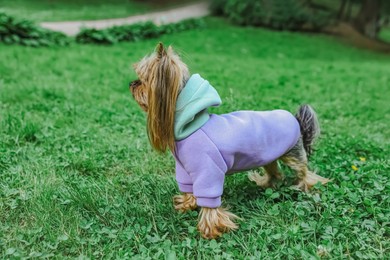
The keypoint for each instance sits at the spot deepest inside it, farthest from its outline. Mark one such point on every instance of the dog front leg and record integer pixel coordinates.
(184, 202)
(213, 222)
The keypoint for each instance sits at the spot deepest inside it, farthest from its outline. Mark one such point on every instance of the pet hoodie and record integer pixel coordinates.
(209, 146)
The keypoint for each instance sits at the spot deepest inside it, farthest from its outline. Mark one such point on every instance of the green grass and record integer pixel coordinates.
(385, 34)
(67, 10)
(78, 177)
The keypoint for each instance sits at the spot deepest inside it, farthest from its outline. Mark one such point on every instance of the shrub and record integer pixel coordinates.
(184, 25)
(24, 32)
(135, 32)
(217, 7)
(276, 14)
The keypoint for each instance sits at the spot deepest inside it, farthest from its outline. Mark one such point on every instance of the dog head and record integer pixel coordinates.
(161, 76)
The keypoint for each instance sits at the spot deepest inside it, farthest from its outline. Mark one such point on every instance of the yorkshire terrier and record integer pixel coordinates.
(206, 147)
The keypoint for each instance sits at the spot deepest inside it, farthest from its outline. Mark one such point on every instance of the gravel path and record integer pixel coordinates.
(167, 16)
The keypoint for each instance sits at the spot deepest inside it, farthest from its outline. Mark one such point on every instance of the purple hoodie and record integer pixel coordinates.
(225, 144)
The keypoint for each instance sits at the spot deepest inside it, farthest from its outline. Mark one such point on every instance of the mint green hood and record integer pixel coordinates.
(191, 106)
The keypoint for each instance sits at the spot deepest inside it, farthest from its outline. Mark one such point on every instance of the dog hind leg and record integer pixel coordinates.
(271, 176)
(296, 159)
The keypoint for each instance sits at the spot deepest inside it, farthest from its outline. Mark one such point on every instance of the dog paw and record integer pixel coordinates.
(184, 202)
(263, 181)
(301, 185)
(214, 222)
(310, 180)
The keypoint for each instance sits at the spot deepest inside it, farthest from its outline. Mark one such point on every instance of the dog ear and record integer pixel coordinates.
(164, 89)
(160, 50)
(170, 50)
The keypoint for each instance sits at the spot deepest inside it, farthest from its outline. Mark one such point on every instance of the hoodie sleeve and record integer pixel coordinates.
(183, 179)
(206, 167)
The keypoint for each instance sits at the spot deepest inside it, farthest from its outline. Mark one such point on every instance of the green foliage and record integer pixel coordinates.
(384, 5)
(276, 14)
(78, 178)
(118, 33)
(25, 32)
(385, 34)
(385, 8)
(217, 7)
(135, 32)
(76, 10)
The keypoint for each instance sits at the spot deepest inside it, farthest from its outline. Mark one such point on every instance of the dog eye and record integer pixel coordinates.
(134, 83)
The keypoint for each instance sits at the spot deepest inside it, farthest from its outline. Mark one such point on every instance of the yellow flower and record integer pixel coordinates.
(363, 159)
(354, 168)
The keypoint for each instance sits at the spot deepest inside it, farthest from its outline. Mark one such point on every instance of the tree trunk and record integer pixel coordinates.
(340, 15)
(366, 22)
(349, 11)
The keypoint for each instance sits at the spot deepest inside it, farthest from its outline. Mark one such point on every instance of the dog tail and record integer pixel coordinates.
(310, 128)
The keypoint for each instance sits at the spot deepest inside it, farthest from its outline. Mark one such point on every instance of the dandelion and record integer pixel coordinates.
(362, 159)
(354, 168)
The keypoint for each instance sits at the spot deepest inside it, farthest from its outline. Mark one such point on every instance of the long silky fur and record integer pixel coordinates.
(310, 128)
(214, 222)
(162, 76)
(184, 202)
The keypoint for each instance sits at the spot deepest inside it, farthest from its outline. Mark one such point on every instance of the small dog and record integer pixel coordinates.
(206, 147)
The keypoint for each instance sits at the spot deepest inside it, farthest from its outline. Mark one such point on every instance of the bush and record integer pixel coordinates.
(185, 25)
(276, 14)
(24, 32)
(135, 32)
(116, 34)
(217, 7)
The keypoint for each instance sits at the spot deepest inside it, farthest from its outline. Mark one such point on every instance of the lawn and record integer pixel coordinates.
(67, 10)
(79, 179)
(385, 34)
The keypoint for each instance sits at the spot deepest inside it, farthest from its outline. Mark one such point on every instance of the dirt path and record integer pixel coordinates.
(167, 16)
(351, 36)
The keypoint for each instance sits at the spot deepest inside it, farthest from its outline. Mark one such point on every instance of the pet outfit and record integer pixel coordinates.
(209, 146)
